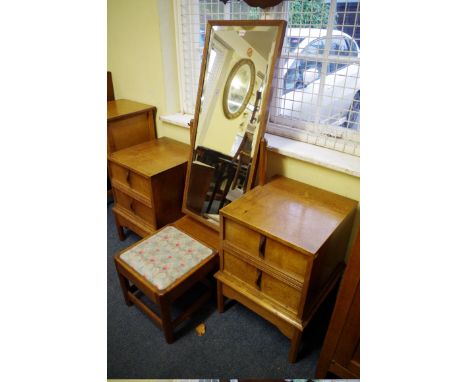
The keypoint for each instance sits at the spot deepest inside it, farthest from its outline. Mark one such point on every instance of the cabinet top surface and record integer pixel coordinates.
(122, 107)
(292, 212)
(152, 157)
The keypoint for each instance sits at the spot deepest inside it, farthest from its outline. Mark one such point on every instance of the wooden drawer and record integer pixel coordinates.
(286, 258)
(131, 183)
(242, 237)
(240, 269)
(125, 219)
(282, 293)
(277, 255)
(135, 207)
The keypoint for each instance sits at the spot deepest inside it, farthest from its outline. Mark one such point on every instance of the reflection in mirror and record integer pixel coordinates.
(238, 88)
(238, 64)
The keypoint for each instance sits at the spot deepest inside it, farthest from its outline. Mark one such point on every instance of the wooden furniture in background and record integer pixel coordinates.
(110, 97)
(129, 123)
(132, 282)
(148, 184)
(282, 251)
(340, 351)
(110, 87)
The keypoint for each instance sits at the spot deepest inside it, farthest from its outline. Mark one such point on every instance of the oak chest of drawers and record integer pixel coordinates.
(148, 184)
(282, 251)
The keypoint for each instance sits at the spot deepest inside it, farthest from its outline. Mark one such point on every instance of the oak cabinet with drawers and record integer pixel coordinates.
(282, 251)
(148, 184)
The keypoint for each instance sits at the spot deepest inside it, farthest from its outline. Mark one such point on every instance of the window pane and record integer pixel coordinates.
(319, 82)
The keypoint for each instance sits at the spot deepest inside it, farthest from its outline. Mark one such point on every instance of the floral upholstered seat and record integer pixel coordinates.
(166, 256)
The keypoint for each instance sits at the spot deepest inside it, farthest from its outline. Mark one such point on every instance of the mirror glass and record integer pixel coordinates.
(237, 68)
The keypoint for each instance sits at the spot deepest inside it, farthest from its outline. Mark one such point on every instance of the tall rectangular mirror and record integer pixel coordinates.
(231, 112)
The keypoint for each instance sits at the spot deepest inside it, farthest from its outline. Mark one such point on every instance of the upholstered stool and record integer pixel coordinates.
(163, 266)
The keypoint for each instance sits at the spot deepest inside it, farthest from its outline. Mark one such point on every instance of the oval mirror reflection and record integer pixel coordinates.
(238, 89)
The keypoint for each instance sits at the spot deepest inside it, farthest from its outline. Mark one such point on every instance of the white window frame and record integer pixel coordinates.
(187, 105)
(340, 139)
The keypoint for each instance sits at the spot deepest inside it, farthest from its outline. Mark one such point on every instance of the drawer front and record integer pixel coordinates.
(128, 179)
(242, 237)
(128, 220)
(272, 252)
(282, 293)
(135, 207)
(285, 258)
(240, 269)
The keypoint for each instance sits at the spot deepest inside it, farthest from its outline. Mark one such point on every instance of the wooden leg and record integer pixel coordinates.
(120, 232)
(125, 285)
(166, 321)
(119, 229)
(295, 343)
(220, 297)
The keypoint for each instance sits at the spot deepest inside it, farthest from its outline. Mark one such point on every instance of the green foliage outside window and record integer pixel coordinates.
(301, 13)
(310, 13)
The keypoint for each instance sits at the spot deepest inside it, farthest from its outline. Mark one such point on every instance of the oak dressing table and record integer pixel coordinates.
(172, 259)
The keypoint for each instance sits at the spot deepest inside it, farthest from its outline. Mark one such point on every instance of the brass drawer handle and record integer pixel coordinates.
(261, 247)
(131, 206)
(258, 282)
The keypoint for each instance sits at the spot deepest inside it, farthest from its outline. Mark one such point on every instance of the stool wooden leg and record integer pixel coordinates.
(294, 349)
(125, 286)
(166, 321)
(220, 297)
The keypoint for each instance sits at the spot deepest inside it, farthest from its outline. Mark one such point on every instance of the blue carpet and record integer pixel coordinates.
(237, 343)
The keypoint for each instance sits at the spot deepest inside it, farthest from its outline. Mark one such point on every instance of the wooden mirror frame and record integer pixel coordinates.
(227, 87)
(281, 24)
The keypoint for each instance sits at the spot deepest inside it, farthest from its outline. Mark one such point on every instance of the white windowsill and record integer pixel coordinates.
(335, 160)
(177, 119)
(321, 156)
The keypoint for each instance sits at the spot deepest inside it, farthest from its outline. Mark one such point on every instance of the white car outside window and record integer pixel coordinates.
(302, 75)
